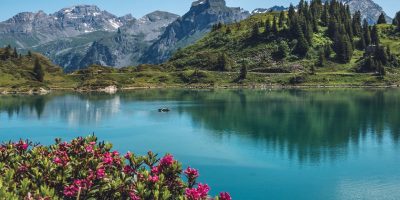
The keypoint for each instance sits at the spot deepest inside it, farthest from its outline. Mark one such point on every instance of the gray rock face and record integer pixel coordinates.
(28, 29)
(192, 26)
(125, 47)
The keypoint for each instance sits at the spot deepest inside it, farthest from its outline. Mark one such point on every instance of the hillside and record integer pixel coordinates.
(273, 54)
(17, 72)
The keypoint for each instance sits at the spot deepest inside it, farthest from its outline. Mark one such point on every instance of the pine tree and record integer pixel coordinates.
(243, 71)
(38, 71)
(15, 53)
(274, 26)
(223, 63)
(396, 21)
(291, 14)
(228, 30)
(367, 33)
(302, 46)
(283, 50)
(327, 51)
(382, 19)
(325, 14)
(381, 56)
(375, 35)
(255, 32)
(361, 43)
(29, 54)
(321, 58)
(356, 23)
(267, 31)
(281, 19)
(343, 49)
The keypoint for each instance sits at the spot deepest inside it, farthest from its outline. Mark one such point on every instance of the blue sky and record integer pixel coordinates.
(139, 8)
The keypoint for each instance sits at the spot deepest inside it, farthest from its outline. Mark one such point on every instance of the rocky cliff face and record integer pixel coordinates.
(192, 26)
(125, 47)
(28, 29)
(122, 47)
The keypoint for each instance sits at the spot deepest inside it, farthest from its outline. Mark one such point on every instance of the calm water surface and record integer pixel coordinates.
(256, 144)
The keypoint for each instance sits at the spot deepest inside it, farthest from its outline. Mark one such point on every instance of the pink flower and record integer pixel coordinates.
(128, 155)
(115, 153)
(81, 183)
(203, 190)
(192, 173)
(70, 191)
(192, 194)
(89, 149)
(107, 158)
(101, 173)
(58, 161)
(133, 196)
(224, 196)
(198, 193)
(128, 169)
(167, 160)
(21, 145)
(154, 170)
(92, 143)
(153, 179)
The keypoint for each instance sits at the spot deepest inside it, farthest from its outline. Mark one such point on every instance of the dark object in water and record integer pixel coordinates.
(163, 110)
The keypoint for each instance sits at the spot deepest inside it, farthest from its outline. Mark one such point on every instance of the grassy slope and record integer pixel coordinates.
(17, 73)
(238, 47)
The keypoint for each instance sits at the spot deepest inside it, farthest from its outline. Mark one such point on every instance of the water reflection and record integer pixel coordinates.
(308, 125)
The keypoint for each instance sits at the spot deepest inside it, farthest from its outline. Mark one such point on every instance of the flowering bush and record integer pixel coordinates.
(86, 169)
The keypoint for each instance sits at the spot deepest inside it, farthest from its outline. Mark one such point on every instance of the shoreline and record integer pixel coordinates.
(114, 89)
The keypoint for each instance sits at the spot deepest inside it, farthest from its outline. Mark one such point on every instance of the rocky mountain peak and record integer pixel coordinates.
(368, 8)
(158, 16)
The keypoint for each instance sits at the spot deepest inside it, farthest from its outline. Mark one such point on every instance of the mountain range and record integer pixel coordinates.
(82, 35)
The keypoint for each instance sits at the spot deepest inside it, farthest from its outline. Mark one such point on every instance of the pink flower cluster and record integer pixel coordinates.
(224, 196)
(22, 146)
(167, 161)
(88, 167)
(191, 173)
(199, 193)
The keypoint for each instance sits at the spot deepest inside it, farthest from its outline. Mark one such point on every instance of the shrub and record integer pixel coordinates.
(86, 169)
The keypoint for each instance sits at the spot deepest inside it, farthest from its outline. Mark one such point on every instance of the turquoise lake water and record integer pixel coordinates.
(256, 144)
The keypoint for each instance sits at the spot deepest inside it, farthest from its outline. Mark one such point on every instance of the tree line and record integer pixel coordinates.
(11, 54)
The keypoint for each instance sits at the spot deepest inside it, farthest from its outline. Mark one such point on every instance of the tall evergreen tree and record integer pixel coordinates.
(321, 58)
(356, 23)
(381, 19)
(291, 14)
(38, 71)
(255, 32)
(396, 21)
(367, 33)
(15, 53)
(375, 35)
(243, 71)
(343, 49)
(302, 46)
(267, 31)
(275, 26)
(281, 19)
(325, 14)
(223, 63)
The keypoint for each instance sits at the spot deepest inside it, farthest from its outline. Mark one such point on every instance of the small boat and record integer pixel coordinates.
(163, 110)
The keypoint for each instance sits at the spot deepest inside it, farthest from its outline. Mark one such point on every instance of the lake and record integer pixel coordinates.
(257, 144)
